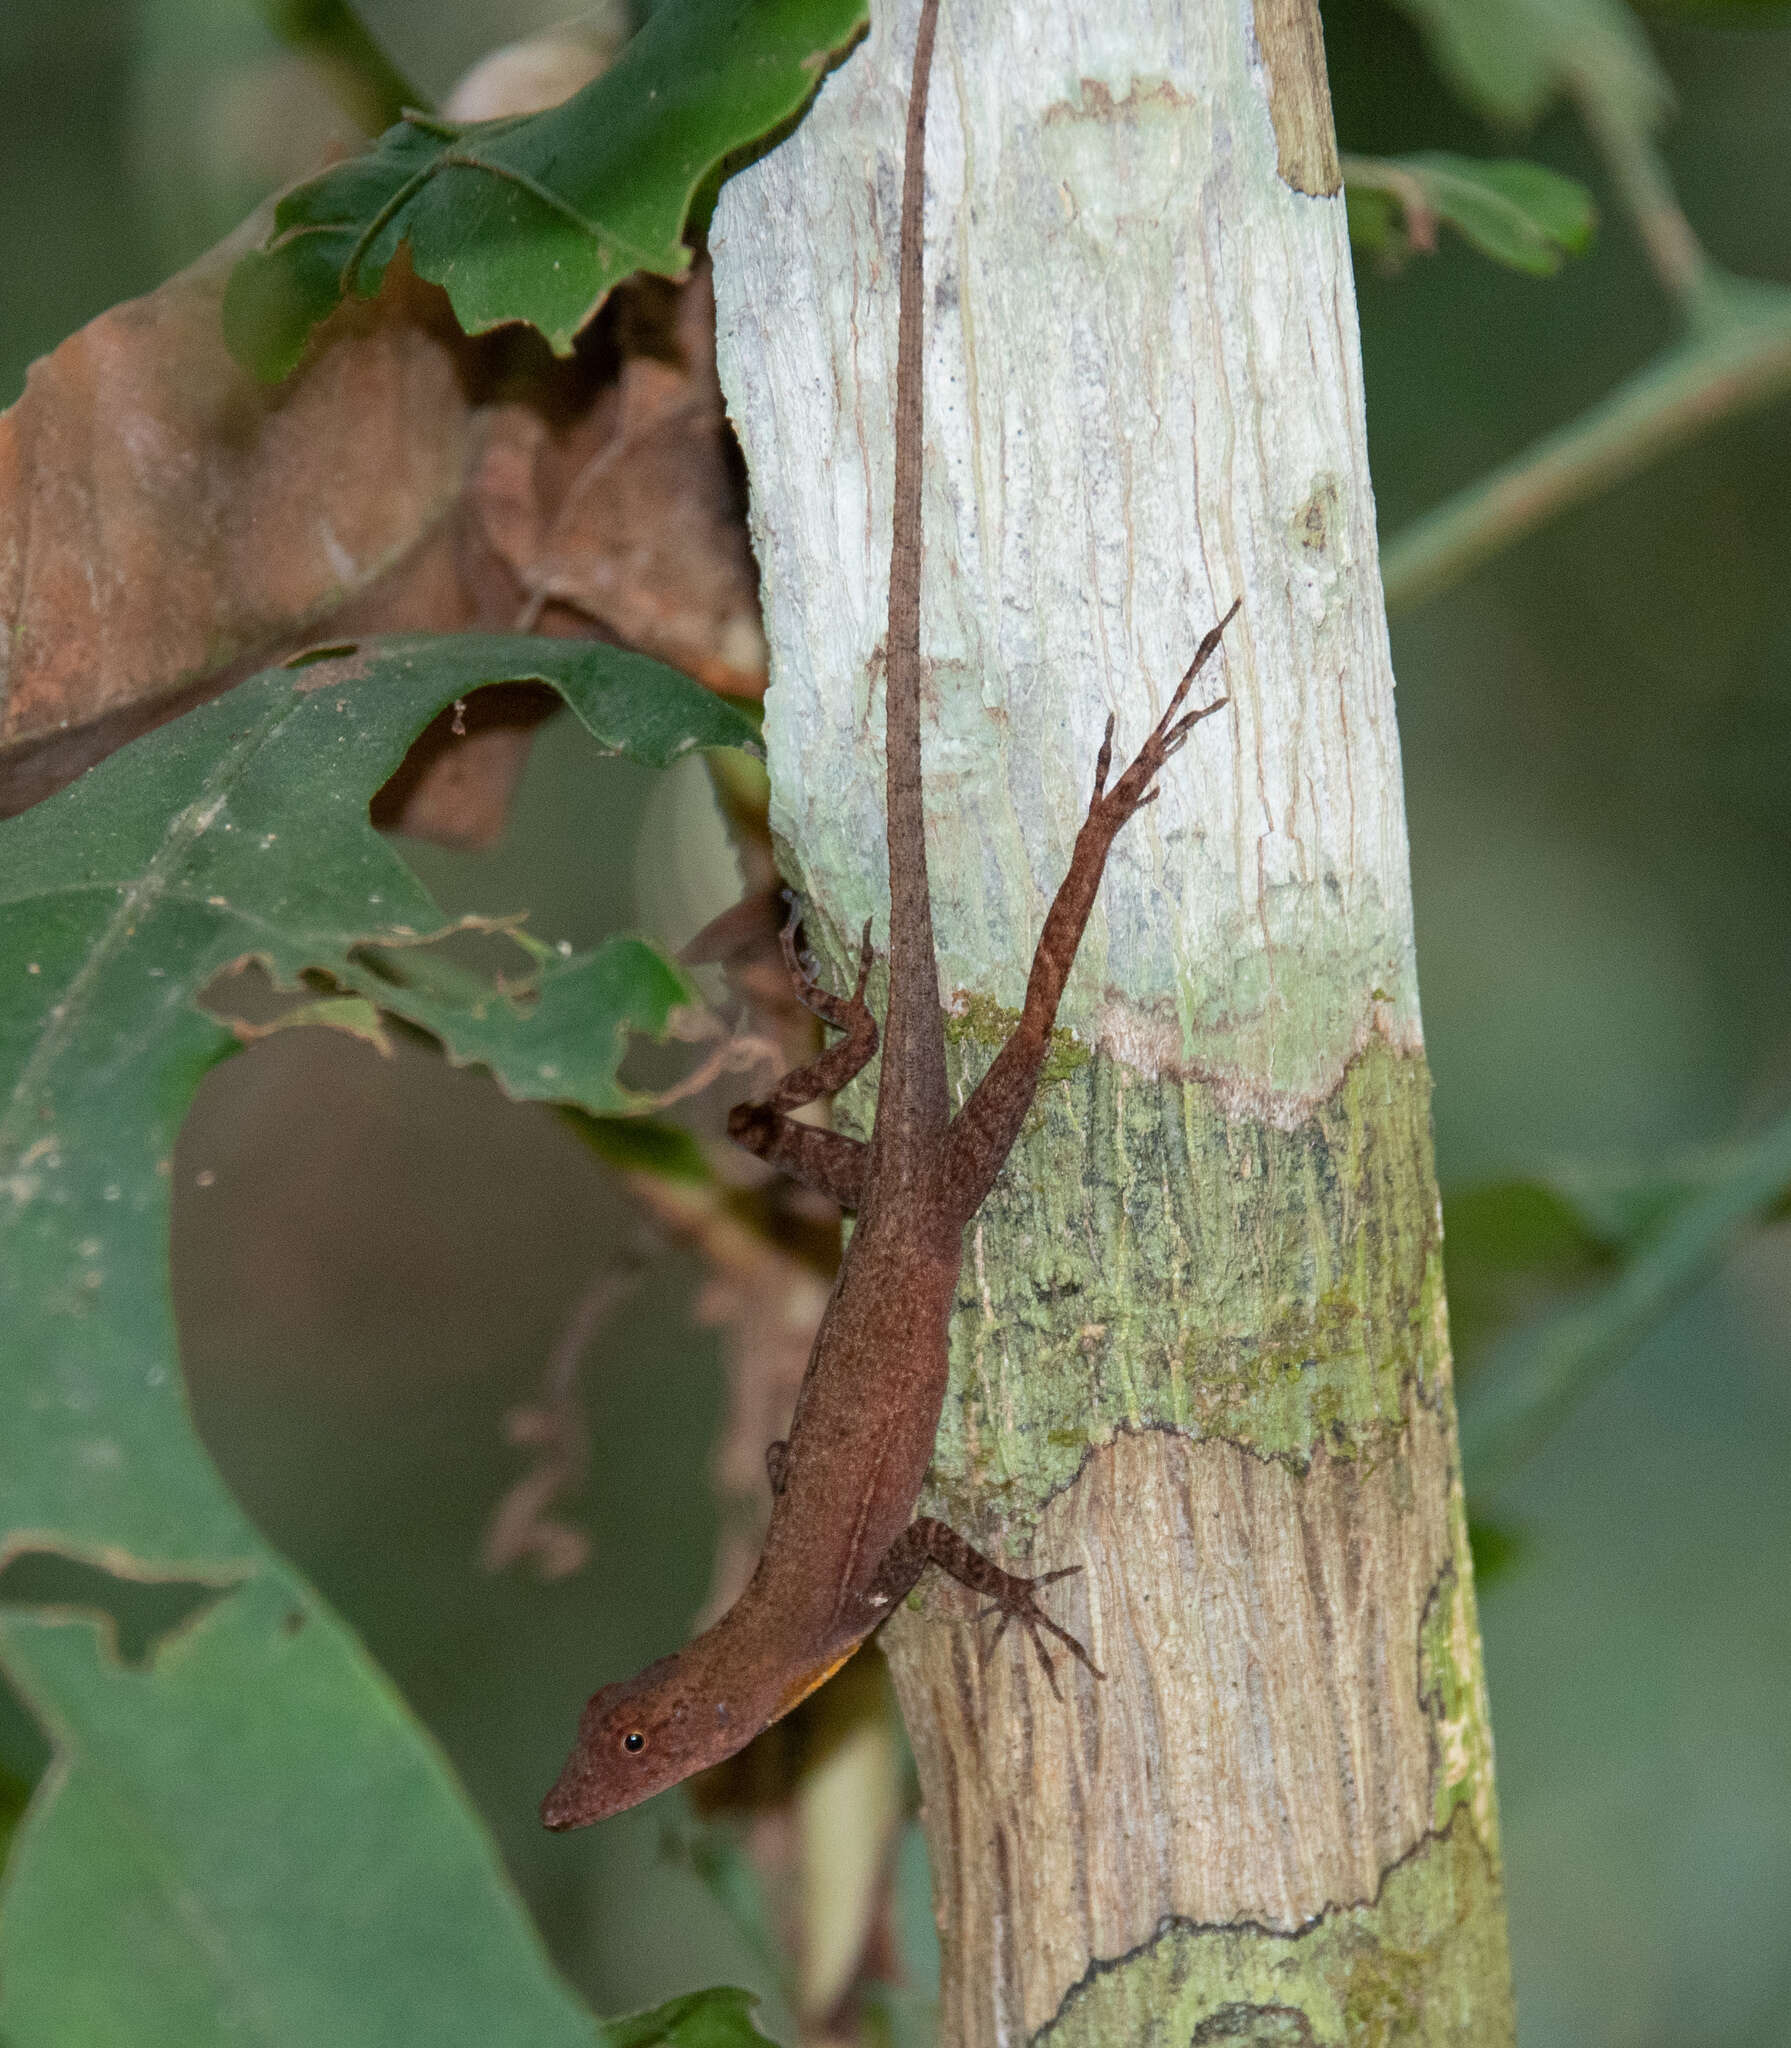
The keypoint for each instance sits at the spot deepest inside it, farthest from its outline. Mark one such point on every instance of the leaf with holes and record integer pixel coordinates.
(539, 217)
(275, 1850)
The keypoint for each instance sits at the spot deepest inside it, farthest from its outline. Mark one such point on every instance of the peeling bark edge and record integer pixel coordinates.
(1143, 400)
(1272, 1535)
(1293, 1700)
(1292, 41)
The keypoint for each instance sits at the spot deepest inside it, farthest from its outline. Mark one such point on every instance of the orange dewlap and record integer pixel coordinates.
(809, 1681)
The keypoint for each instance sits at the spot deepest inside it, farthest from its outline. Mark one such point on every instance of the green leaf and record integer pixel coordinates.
(1376, 223)
(1524, 1224)
(1686, 1222)
(641, 1144)
(539, 218)
(1511, 1250)
(273, 1848)
(721, 2018)
(1518, 213)
(1498, 1549)
(1509, 58)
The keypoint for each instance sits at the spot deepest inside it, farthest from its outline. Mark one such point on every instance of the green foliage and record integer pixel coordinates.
(1511, 57)
(1498, 1549)
(1520, 214)
(1661, 1237)
(721, 2018)
(539, 218)
(274, 1849)
(1510, 1250)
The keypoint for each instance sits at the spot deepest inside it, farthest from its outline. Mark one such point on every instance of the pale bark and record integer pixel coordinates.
(1201, 1348)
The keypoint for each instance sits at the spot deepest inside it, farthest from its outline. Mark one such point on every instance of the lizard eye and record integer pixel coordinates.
(634, 1740)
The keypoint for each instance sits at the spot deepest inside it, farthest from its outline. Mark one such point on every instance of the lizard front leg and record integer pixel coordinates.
(983, 1131)
(1011, 1596)
(827, 1161)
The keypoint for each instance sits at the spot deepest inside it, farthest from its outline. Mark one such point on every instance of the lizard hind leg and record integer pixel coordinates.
(1010, 1595)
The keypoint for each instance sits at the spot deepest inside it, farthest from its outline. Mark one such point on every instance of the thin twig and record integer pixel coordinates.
(1674, 252)
(554, 1427)
(1737, 354)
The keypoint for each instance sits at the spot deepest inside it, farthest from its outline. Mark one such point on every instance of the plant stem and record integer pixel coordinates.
(330, 33)
(1740, 360)
(1674, 252)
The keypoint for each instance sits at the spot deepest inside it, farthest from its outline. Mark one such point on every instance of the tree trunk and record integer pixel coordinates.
(1201, 1347)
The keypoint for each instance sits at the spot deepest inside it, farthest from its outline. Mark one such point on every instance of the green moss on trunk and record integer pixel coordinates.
(1424, 1963)
(1164, 1264)
(1154, 1260)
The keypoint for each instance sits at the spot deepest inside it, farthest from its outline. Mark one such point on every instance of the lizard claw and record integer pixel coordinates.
(1017, 1601)
(842, 1012)
(1135, 789)
(1104, 759)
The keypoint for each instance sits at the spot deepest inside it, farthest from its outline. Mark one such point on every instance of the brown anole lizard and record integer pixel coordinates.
(844, 1545)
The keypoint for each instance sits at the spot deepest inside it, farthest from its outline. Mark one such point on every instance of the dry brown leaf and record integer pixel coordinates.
(163, 516)
(456, 783)
(167, 524)
(606, 504)
(542, 70)
(633, 518)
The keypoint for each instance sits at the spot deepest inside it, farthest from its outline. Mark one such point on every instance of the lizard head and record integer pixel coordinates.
(637, 1737)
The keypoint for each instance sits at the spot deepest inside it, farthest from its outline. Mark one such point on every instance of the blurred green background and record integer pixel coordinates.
(1597, 736)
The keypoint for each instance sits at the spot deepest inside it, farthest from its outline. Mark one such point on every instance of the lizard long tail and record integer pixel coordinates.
(912, 1102)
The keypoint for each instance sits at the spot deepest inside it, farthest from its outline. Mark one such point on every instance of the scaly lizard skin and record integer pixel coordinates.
(844, 1545)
